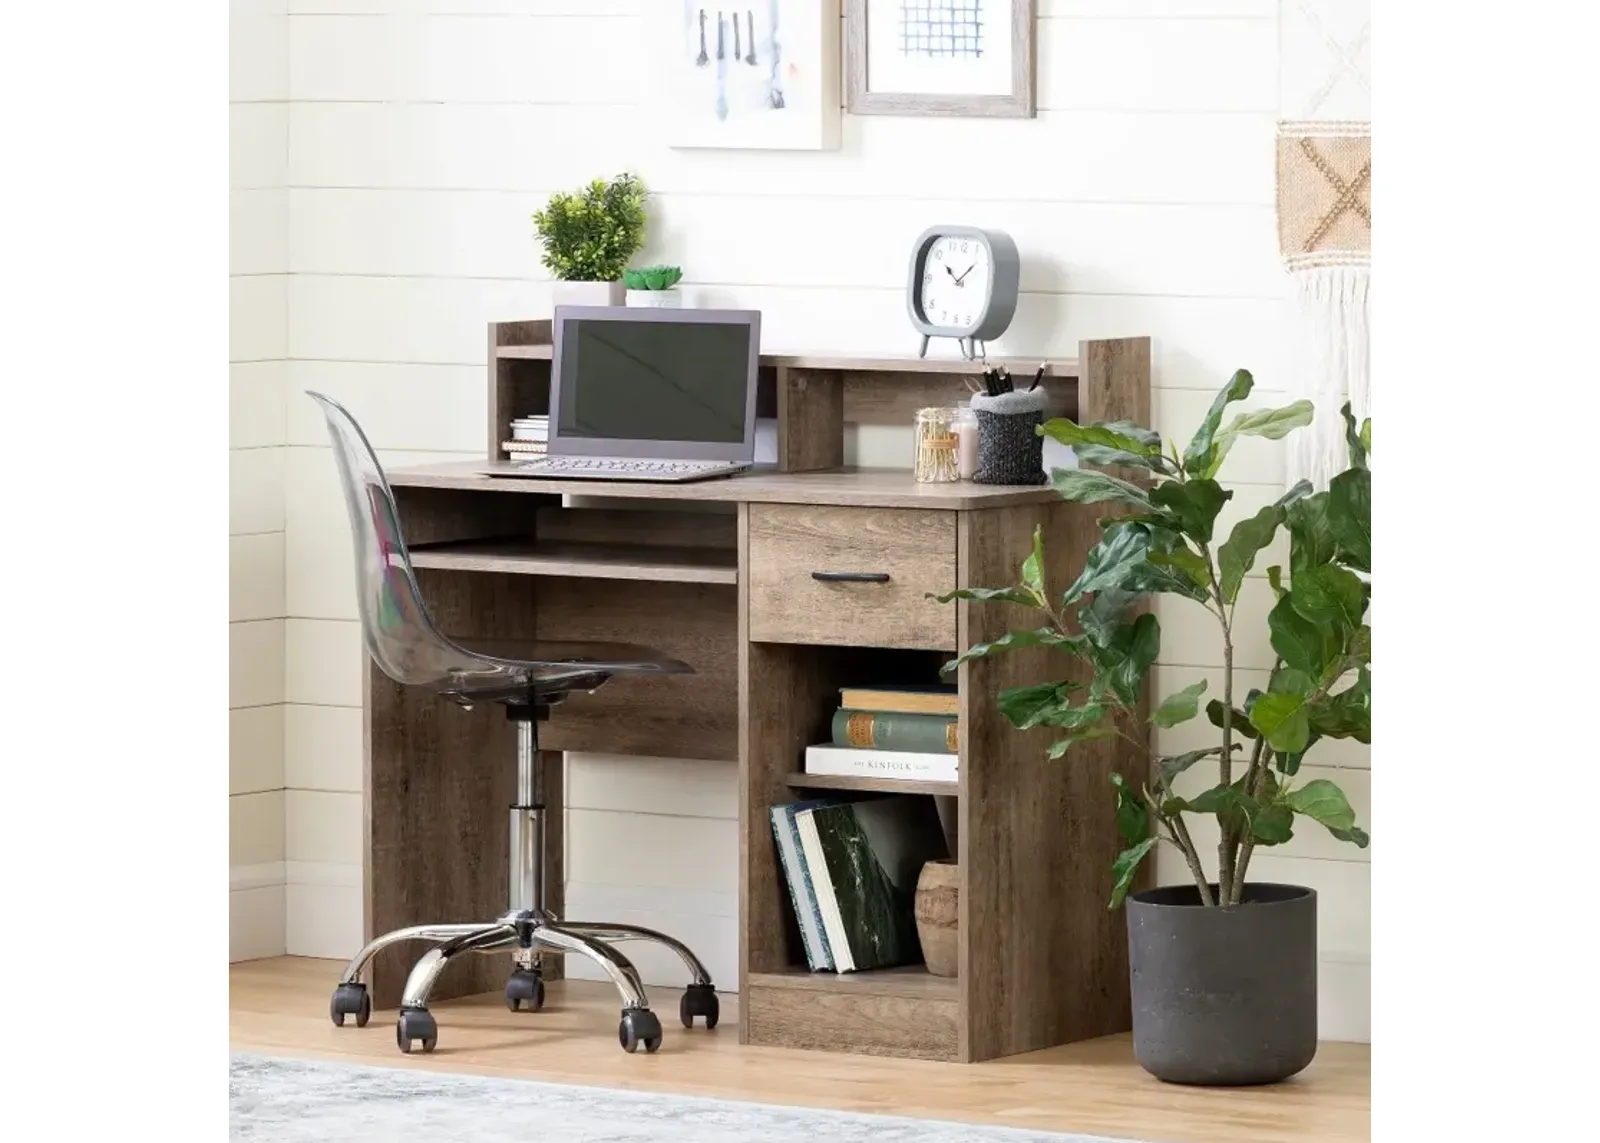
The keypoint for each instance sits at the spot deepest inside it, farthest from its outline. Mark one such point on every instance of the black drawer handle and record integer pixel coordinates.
(850, 577)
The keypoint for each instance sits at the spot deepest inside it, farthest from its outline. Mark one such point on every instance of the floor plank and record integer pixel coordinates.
(279, 1007)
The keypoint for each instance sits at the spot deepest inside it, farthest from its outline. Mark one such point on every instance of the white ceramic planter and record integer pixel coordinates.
(656, 299)
(586, 293)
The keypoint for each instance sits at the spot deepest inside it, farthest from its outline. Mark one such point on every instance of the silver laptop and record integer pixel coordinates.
(645, 394)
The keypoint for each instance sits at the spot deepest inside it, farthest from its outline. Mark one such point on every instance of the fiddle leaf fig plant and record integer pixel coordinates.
(1161, 538)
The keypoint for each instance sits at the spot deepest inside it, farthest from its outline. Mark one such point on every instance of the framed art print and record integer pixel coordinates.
(940, 57)
(746, 74)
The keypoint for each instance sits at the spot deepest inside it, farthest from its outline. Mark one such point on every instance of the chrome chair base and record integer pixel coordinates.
(524, 931)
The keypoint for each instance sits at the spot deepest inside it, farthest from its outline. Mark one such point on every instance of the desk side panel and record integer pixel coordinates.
(1043, 961)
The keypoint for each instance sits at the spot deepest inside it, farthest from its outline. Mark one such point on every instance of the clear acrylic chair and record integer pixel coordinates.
(406, 645)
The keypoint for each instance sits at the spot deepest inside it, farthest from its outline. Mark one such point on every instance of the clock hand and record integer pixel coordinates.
(964, 273)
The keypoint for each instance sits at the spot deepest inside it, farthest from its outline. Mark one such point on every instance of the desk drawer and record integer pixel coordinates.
(852, 576)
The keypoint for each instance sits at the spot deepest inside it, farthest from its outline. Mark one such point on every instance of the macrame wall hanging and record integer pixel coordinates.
(1324, 166)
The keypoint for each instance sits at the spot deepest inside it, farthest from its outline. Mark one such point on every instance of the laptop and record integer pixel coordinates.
(649, 394)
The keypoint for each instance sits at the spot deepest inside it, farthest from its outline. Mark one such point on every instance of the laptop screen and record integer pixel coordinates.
(662, 384)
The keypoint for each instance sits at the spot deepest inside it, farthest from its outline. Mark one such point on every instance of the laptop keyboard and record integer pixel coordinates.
(617, 466)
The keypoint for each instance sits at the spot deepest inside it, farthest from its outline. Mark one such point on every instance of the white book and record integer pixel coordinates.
(822, 887)
(855, 762)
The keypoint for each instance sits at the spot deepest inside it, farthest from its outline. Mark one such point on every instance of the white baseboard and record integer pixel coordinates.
(255, 876)
(256, 922)
(1344, 996)
(323, 920)
(322, 873)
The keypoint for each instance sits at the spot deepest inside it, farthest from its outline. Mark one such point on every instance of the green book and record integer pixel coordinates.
(880, 730)
(874, 851)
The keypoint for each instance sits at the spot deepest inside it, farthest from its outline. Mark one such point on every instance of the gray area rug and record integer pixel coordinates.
(315, 1101)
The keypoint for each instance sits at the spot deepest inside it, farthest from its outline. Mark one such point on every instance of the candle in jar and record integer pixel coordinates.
(967, 443)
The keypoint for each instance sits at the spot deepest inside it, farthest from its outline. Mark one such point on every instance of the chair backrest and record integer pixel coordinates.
(400, 635)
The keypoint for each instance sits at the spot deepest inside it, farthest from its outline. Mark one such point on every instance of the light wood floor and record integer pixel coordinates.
(280, 1007)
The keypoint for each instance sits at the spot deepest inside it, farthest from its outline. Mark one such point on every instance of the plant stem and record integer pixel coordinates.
(1236, 890)
(1192, 856)
(1252, 775)
(1226, 842)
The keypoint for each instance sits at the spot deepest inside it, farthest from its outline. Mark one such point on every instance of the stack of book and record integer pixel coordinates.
(528, 438)
(892, 732)
(852, 873)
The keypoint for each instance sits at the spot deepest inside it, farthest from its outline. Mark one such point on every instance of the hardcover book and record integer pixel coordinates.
(822, 886)
(878, 730)
(932, 699)
(912, 766)
(874, 851)
(802, 892)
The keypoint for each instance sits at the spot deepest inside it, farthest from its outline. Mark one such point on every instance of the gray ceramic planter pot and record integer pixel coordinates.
(1224, 996)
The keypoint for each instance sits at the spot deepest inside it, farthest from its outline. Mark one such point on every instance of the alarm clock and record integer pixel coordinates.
(963, 285)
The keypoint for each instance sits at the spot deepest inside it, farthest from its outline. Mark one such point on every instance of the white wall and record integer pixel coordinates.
(422, 135)
(258, 263)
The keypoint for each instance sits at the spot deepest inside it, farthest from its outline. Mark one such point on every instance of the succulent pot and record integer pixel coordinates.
(586, 293)
(1223, 996)
(671, 299)
(937, 906)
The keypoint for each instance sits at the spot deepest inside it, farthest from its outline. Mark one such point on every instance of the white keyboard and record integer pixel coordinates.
(620, 468)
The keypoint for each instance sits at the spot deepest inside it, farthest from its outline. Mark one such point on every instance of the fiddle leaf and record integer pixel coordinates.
(1194, 502)
(1179, 707)
(1119, 442)
(1282, 721)
(1238, 552)
(1089, 486)
(1200, 458)
(1126, 868)
(1322, 801)
(1133, 816)
(1033, 570)
(1011, 641)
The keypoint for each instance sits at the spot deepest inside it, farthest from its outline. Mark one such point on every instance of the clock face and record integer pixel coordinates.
(955, 285)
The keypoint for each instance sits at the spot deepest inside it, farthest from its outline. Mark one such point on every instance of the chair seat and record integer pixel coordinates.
(543, 670)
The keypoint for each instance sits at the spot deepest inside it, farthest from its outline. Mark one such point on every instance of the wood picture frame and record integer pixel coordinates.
(1012, 97)
(762, 77)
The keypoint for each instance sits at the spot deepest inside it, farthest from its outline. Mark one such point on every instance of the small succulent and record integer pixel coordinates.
(652, 277)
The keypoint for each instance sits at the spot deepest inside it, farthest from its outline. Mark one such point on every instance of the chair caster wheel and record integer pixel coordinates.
(639, 1026)
(699, 1000)
(416, 1026)
(525, 986)
(350, 1000)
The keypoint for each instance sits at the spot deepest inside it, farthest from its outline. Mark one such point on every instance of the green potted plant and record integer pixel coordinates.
(1223, 969)
(654, 287)
(589, 236)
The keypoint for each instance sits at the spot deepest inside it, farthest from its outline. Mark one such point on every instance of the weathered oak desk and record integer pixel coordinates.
(718, 573)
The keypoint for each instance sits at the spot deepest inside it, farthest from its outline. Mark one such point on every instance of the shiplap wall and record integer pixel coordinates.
(258, 328)
(423, 133)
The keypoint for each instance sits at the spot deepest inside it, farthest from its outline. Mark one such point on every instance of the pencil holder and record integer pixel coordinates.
(1010, 450)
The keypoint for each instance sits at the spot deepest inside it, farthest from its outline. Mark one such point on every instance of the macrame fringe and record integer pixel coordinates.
(1329, 358)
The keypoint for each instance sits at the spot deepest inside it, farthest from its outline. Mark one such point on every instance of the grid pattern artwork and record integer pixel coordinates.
(941, 28)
